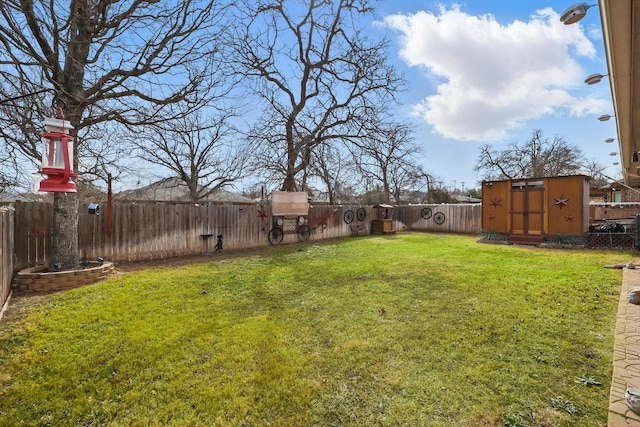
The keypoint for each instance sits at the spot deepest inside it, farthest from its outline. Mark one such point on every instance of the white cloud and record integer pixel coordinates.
(492, 78)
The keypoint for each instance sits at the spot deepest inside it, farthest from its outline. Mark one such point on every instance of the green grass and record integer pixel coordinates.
(408, 330)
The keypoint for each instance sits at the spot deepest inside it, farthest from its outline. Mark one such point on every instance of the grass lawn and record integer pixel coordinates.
(407, 330)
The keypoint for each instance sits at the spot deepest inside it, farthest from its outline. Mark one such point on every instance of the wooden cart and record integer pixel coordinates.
(290, 211)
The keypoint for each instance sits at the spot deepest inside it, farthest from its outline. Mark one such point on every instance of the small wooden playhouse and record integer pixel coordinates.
(530, 210)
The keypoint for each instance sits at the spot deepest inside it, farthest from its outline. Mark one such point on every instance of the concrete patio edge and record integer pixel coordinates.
(626, 354)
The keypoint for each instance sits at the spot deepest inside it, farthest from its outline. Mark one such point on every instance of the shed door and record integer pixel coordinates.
(527, 207)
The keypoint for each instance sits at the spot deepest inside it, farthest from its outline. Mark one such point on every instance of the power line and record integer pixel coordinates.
(28, 95)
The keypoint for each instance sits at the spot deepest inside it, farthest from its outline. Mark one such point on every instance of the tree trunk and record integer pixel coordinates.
(64, 244)
(289, 183)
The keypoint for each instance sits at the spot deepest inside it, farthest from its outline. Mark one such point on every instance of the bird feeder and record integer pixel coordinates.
(57, 157)
(94, 209)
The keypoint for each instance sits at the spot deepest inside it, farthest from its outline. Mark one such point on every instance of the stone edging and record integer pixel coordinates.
(34, 279)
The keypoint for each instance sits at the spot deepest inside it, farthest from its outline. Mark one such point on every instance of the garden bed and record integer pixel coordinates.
(40, 279)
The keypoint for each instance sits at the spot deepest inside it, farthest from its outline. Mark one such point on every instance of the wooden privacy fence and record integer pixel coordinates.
(459, 218)
(7, 262)
(144, 231)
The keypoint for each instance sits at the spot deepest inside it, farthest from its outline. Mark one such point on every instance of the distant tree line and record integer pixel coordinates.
(537, 157)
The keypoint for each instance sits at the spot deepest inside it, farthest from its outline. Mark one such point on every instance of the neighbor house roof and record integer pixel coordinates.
(175, 190)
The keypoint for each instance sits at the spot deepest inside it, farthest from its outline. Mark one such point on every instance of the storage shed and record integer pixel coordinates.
(531, 209)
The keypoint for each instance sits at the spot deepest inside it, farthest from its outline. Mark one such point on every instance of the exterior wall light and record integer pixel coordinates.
(609, 140)
(575, 13)
(605, 117)
(594, 78)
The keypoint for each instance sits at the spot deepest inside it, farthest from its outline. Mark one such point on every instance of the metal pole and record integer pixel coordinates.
(109, 206)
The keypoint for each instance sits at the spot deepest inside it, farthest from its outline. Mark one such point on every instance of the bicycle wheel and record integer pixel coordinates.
(361, 214)
(426, 213)
(439, 218)
(348, 216)
(275, 236)
(303, 233)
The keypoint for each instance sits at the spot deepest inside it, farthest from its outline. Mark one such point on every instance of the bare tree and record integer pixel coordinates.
(12, 177)
(537, 157)
(20, 156)
(386, 158)
(127, 62)
(320, 77)
(333, 168)
(203, 152)
(596, 171)
(407, 182)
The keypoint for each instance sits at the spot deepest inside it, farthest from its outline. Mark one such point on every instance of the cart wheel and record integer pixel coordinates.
(361, 214)
(348, 216)
(303, 233)
(426, 213)
(275, 236)
(439, 218)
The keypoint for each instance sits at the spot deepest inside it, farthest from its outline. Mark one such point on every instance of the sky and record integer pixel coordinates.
(492, 72)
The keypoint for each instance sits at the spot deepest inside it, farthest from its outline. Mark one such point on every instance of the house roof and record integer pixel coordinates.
(466, 199)
(175, 190)
(15, 197)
